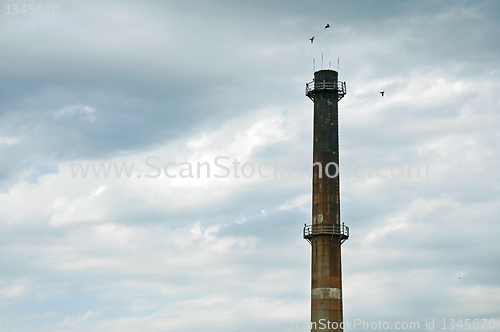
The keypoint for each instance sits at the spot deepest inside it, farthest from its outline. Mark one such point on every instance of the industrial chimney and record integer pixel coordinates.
(326, 233)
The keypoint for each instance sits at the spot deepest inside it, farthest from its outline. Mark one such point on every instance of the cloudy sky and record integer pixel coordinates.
(189, 81)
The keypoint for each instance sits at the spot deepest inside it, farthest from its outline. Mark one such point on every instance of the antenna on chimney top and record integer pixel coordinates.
(338, 64)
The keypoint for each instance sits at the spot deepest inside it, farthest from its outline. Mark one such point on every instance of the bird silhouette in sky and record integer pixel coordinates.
(382, 93)
(311, 39)
(327, 25)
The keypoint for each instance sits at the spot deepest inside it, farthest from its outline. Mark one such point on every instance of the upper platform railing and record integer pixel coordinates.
(323, 229)
(313, 87)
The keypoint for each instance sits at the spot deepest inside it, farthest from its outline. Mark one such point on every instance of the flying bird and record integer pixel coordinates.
(327, 26)
(382, 93)
(311, 39)
(458, 277)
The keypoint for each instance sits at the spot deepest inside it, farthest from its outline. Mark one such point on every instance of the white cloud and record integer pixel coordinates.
(85, 112)
(16, 288)
(78, 320)
(9, 140)
(78, 209)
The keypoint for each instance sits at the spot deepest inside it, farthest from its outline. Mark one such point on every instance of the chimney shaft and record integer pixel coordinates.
(326, 234)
